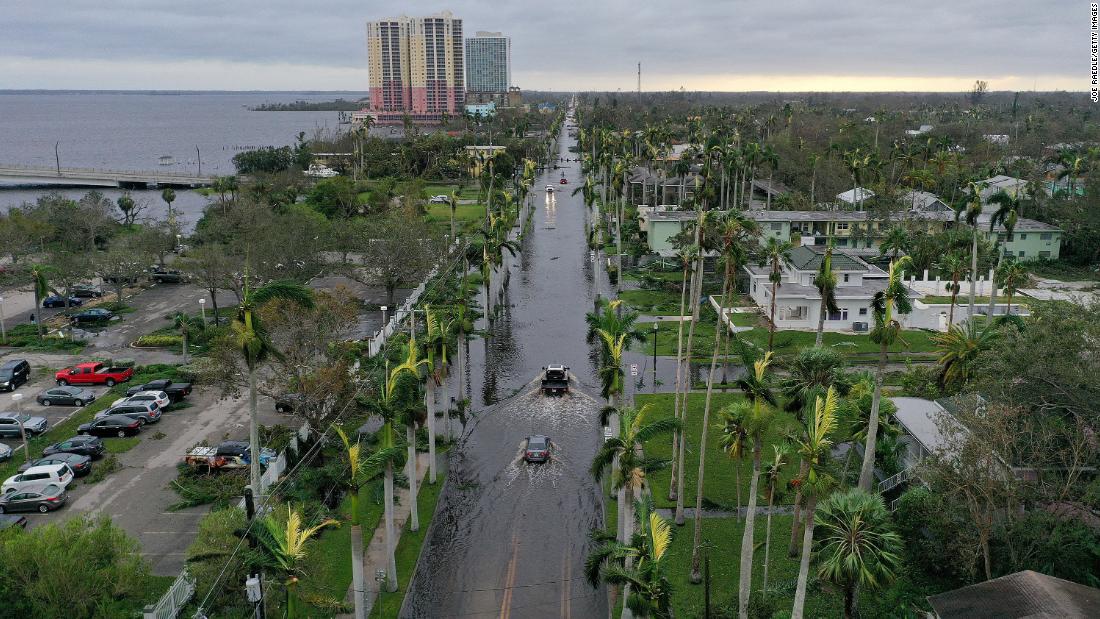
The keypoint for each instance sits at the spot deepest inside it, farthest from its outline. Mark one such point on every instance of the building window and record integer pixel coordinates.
(841, 315)
(1044, 254)
(777, 226)
(754, 286)
(845, 278)
(863, 311)
(842, 226)
(1023, 237)
(1021, 253)
(1045, 236)
(842, 242)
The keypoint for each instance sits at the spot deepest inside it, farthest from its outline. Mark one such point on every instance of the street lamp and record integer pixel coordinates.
(380, 577)
(202, 308)
(655, 327)
(17, 400)
(179, 242)
(255, 593)
(384, 317)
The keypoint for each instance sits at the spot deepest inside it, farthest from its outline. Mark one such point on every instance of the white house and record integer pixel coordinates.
(855, 197)
(921, 131)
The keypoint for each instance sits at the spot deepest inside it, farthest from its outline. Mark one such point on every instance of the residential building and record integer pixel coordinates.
(484, 110)
(489, 67)
(855, 197)
(1016, 596)
(1008, 184)
(921, 131)
(415, 67)
(478, 155)
(1030, 239)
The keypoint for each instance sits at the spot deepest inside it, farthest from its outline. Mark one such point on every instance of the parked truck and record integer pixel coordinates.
(555, 379)
(228, 455)
(93, 373)
(175, 391)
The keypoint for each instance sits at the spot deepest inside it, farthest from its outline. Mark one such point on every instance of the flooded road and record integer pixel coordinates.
(510, 538)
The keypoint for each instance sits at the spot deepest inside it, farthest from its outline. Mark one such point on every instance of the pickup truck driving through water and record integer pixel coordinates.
(555, 379)
(93, 374)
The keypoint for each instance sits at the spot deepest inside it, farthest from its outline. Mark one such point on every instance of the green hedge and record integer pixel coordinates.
(158, 341)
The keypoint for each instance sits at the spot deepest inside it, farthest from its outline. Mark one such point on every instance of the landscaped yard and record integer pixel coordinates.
(467, 216)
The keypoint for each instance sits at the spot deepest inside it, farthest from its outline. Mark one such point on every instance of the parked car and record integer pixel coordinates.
(93, 374)
(537, 449)
(5, 452)
(59, 301)
(286, 403)
(162, 275)
(143, 412)
(175, 391)
(14, 372)
(439, 200)
(79, 464)
(128, 280)
(38, 477)
(46, 499)
(159, 398)
(85, 445)
(86, 291)
(66, 396)
(114, 425)
(11, 522)
(9, 424)
(91, 316)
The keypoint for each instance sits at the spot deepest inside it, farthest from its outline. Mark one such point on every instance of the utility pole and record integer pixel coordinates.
(57, 157)
(639, 78)
(199, 155)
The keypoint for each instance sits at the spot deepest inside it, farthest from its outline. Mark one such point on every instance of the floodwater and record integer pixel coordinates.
(510, 538)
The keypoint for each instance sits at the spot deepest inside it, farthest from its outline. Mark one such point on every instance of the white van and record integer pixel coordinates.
(38, 477)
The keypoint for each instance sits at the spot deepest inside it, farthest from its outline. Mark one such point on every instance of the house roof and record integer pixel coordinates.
(924, 201)
(673, 216)
(857, 194)
(1023, 594)
(773, 187)
(1022, 225)
(922, 419)
(808, 258)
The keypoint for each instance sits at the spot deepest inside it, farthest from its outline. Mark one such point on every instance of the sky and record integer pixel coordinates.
(728, 45)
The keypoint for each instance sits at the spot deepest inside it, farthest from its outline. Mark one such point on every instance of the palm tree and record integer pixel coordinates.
(252, 340)
(1006, 215)
(40, 282)
(284, 545)
(169, 196)
(814, 158)
(953, 266)
(687, 259)
(757, 421)
(361, 471)
(858, 548)
(734, 435)
(887, 330)
(185, 324)
(452, 202)
(856, 162)
(971, 214)
(637, 565)
(438, 333)
(814, 483)
(959, 349)
(769, 158)
(825, 281)
(1013, 275)
(776, 253)
(771, 483)
(895, 242)
(413, 416)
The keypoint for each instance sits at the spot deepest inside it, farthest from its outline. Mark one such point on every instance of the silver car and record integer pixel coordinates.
(9, 424)
(5, 452)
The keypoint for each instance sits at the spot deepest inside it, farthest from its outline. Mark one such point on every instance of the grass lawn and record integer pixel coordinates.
(721, 475)
(1062, 271)
(467, 216)
(408, 547)
(703, 342)
(26, 337)
(654, 302)
(790, 342)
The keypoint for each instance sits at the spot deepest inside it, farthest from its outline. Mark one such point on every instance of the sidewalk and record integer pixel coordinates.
(374, 554)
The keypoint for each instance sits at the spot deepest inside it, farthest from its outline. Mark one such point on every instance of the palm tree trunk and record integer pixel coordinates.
(849, 601)
(429, 403)
(796, 523)
(951, 310)
(973, 270)
(358, 583)
(866, 474)
(410, 437)
(672, 487)
(993, 287)
(821, 320)
(37, 308)
(1009, 311)
(391, 542)
(804, 566)
(771, 330)
(696, 575)
(813, 181)
(768, 540)
(184, 346)
(697, 284)
(745, 574)
(254, 439)
(771, 173)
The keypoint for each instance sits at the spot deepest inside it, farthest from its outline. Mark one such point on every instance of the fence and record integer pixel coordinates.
(394, 323)
(183, 588)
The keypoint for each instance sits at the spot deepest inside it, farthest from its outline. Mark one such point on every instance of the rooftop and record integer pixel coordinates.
(858, 194)
(1016, 596)
(809, 257)
(919, 418)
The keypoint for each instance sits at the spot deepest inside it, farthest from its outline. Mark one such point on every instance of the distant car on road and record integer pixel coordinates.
(9, 424)
(563, 181)
(91, 316)
(47, 499)
(59, 301)
(65, 396)
(555, 379)
(14, 372)
(537, 448)
(85, 445)
(549, 189)
(114, 425)
(159, 398)
(86, 291)
(79, 464)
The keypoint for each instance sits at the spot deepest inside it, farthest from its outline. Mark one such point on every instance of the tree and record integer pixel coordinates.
(771, 483)
(776, 253)
(978, 92)
(887, 331)
(1013, 275)
(124, 263)
(39, 565)
(637, 564)
(895, 242)
(814, 483)
(397, 250)
(858, 548)
(39, 281)
(971, 214)
(169, 196)
(284, 544)
(825, 281)
(185, 324)
(212, 268)
(757, 421)
(130, 208)
(335, 198)
(959, 349)
(953, 267)
(413, 415)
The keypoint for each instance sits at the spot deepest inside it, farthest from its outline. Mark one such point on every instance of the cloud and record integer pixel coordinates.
(700, 44)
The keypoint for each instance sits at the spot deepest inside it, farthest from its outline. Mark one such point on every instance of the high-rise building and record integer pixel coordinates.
(415, 67)
(488, 63)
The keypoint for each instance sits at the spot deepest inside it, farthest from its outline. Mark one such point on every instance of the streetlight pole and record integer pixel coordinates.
(380, 577)
(655, 327)
(57, 156)
(202, 308)
(199, 155)
(17, 400)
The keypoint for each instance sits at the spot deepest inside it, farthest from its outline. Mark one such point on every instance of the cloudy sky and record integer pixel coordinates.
(560, 44)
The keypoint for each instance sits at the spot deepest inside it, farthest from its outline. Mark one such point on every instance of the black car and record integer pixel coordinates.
(47, 499)
(59, 301)
(85, 445)
(13, 373)
(80, 465)
(91, 316)
(115, 425)
(65, 396)
(86, 291)
(10, 522)
(162, 275)
(537, 449)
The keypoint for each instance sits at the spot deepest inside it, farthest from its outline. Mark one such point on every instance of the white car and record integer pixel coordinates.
(160, 398)
(5, 452)
(38, 477)
(549, 189)
(439, 200)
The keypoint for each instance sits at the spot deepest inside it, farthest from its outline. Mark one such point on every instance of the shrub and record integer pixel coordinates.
(100, 471)
(158, 341)
(216, 488)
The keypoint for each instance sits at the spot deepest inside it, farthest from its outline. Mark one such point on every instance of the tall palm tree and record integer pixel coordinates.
(971, 214)
(857, 548)
(735, 435)
(361, 471)
(284, 545)
(1013, 275)
(638, 565)
(857, 161)
(771, 484)
(698, 248)
(185, 324)
(452, 202)
(757, 422)
(435, 348)
(895, 242)
(959, 349)
(825, 281)
(169, 196)
(952, 266)
(413, 416)
(252, 340)
(814, 159)
(814, 483)
(887, 330)
(776, 253)
(769, 158)
(1006, 215)
(687, 259)
(41, 285)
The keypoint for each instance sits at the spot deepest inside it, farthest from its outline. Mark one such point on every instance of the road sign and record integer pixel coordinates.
(633, 369)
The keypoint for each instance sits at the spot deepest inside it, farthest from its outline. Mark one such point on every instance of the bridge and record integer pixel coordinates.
(87, 177)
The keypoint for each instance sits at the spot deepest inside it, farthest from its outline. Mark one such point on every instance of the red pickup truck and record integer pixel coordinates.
(93, 374)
